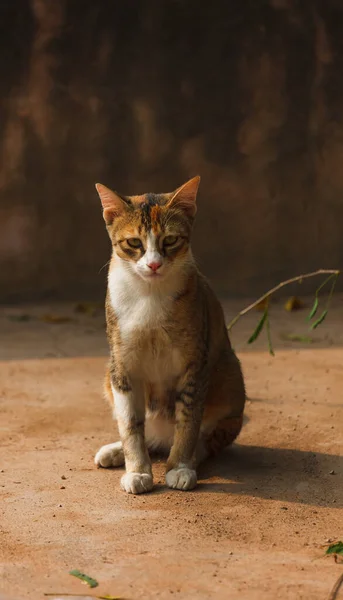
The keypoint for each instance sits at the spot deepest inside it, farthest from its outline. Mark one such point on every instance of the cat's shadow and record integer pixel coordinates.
(287, 475)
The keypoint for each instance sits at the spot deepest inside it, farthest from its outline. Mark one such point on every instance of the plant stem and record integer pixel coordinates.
(278, 287)
(335, 589)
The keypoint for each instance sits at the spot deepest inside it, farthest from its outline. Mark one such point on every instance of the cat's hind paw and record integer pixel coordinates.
(136, 483)
(181, 479)
(110, 455)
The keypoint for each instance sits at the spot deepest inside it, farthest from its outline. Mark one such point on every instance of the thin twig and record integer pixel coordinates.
(335, 589)
(83, 595)
(278, 287)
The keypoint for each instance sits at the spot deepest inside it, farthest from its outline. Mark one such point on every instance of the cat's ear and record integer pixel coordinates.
(185, 197)
(113, 205)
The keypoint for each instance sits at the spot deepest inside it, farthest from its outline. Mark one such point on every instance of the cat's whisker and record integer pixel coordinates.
(103, 266)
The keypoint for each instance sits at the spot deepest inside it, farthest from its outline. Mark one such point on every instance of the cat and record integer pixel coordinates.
(173, 380)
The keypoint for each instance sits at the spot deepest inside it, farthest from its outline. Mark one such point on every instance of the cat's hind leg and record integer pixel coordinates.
(213, 440)
(110, 455)
(224, 408)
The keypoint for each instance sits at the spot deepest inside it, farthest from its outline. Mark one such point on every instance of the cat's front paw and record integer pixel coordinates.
(181, 479)
(111, 455)
(136, 483)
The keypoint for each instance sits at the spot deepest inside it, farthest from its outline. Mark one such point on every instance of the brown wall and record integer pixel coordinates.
(141, 95)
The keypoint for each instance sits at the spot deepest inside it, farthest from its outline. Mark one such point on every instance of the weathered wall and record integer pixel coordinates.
(140, 95)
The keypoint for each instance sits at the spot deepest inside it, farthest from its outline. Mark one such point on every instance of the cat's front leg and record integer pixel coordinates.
(130, 412)
(181, 473)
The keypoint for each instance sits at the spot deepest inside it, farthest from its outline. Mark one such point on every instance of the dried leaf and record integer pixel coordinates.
(261, 306)
(92, 583)
(55, 319)
(259, 327)
(294, 303)
(320, 320)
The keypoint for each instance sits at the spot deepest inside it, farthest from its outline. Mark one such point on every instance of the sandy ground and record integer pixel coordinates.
(253, 529)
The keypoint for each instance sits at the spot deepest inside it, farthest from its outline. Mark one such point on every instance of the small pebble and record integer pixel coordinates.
(63, 477)
(332, 472)
(63, 487)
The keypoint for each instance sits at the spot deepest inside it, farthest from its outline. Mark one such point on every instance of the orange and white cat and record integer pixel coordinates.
(173, 379)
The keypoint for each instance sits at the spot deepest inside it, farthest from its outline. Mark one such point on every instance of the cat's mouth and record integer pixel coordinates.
(153, 275)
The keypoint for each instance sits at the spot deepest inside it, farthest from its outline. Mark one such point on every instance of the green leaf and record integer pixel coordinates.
(320, 320)
(259, 327)
(313, 309)
(336, 548)
(84, 578)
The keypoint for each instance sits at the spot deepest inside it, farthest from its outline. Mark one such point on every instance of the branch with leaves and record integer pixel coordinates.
(332, 275)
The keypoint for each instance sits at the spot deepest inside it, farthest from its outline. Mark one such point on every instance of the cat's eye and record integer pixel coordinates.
(170, 240)
(134, 242)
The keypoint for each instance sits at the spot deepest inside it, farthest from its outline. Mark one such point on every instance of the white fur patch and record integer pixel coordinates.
(138, 304)
(159, 433)
(123, 407)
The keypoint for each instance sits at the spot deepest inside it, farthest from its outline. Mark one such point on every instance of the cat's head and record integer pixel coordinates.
(150, 234)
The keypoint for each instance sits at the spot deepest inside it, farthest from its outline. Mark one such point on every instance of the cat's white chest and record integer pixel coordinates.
(135, 311)
(147, 350)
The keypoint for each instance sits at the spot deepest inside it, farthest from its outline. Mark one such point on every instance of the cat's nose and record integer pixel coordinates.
(154, 266)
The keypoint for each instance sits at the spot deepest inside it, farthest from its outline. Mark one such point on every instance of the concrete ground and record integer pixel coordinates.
(255, 528)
